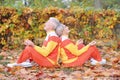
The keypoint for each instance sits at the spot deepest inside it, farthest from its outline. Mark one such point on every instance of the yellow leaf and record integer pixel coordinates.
(114, 18)
(111, 26)
(30, 20)
(41, 27)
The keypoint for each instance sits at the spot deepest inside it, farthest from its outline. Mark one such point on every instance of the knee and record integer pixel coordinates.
(92, 48)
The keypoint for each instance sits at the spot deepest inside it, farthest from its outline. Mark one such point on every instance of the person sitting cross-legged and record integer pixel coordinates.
(73, 55)
(45, 56)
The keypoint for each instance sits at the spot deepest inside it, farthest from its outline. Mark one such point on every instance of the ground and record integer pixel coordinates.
(109, 71)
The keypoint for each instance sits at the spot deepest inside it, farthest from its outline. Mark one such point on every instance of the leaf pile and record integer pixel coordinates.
(109, 71)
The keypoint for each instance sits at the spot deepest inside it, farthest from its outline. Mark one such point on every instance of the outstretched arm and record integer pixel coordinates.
(74, 49)
(51, 45)
(45, 51)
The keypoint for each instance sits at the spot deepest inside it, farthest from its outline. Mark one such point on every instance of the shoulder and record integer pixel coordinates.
(54, 38)
(66, 42)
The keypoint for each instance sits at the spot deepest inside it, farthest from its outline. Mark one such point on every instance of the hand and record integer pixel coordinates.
(80, 41)
(92, 43)
(28, 43)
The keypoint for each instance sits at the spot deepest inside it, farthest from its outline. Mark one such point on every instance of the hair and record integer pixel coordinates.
(59, 29)
(55, 22)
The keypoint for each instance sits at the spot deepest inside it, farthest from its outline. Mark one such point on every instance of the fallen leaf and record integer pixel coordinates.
(76, 74)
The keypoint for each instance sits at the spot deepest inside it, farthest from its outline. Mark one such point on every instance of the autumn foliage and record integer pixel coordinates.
(109, 71)
(27, 23)
(15, 26)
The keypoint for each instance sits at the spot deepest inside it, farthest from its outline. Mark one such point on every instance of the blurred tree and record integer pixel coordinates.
(1, 2)
(86, 4)
(97, 4)
(105, 4)
(111, 4)
(25, 2)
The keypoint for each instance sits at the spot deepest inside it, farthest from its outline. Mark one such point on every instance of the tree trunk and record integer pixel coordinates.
(117, 34)
(97, 4)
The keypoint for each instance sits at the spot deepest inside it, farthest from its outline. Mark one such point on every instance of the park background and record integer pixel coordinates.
(88, 19)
